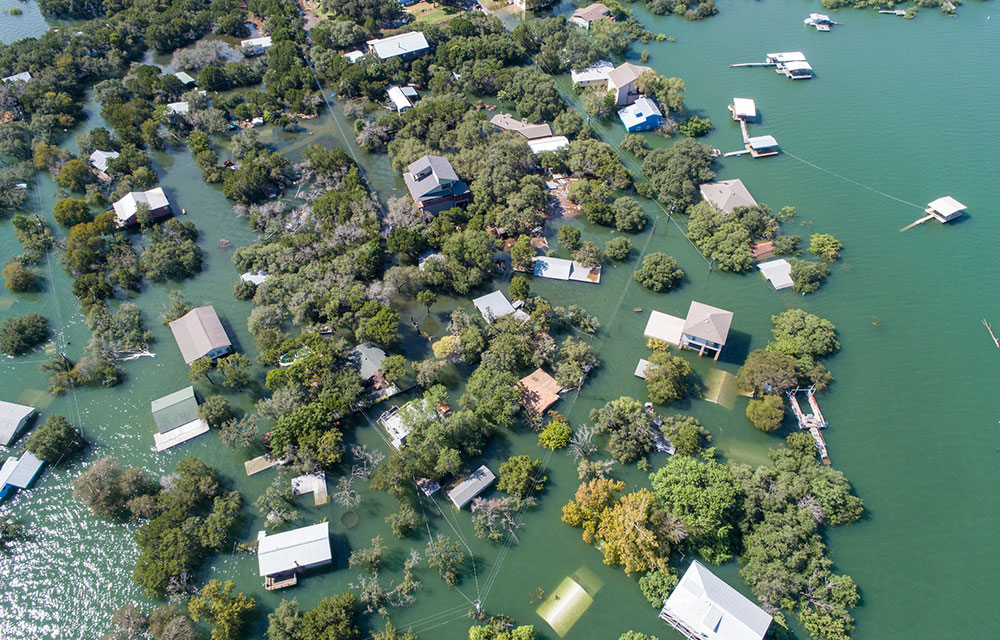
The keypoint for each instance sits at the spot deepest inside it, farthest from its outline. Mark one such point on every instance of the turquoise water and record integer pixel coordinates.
(30, 24)
(905, 107)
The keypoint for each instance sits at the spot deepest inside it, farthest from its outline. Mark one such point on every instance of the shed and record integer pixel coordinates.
(427, 486)
(255, 46)
(706, 328)
(19, 473)
(473, 484)
(353, 56)
(744, 109)
(199, 333)
(552, 143)
(294, 550)
(13, 417)
(99, 159)
(184, 77)
(642, 115)
(664, 327)
(703, 606)
(399, 100)
(594, 75)
(778, 273)
(405, 45)
(541, 391)
(176, 418)
(726, 195)
(945, 209)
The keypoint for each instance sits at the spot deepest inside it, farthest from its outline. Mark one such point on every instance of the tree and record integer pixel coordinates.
(695, 127)
(522, 254)
(240, 432)
(329, 450)
(667, 378)
(656, 586)
(106, 489)
(403, 522)
(285, 622)
(393, 368)
(501, 628)
(215, 411)
(704, 496)
(767, 372)
(169, 623)
(55, 440)
(569, 237)
(382, 328)
(428, 372)
(74, 175)
(628, 423)
(369, 558)
(178, 307)
(591, 500)
(519, 288)
(685, 433)
(766, 414)
(446, 556)
(589, 254)
(676, 173)
(127, 623)
(658, 272)
(556, 434)
(71, 211)
(618, 249)
(629, 215)
(222, 608)
(825, 246)
(276, 503)
(18, 334)
(18, 277)
(803, 335)
(235, 370)
(519, 476)
(427, 298)
(199, 369)
(334, 618)
(807, 276)
(636, 532)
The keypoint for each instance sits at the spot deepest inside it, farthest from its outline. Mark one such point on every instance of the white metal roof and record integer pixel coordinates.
(398, 98)
(744, 108)
(947, 206)
(555, 268)
(640, 369)
(264, 42)
(708, 606)
(126, 206)
(664, 327)
(178, 107)
(354, 56)
(24, 76)
(787, 56)
(597, 72)
(409, 91)
(552, 143)
(474, 484)
(289, 550)
(254, 278)
(402, 44)
(493, 305)
(20, 472)
(778, 272)
(12, 418)
(99, 159)
(798, 65)
(762, 142)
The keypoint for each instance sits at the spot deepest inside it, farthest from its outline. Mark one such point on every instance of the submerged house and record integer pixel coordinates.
(177, 420)
(255, 46)
(367, 360)
(394, 421)
(434, 185)
(405, 46)
(199, 334)
(596, 75)
(473, 484)
(726, 195)
(24, 76)
(98, 161)
(706, 328)
(541, 391)
(584, 16)
(642, 115)
(551, 143)
(527, 130)
(496, 305)
(13, 417)
(622, 79)
(703, 607)
(126, 207)
(282, 556)
(19, 473)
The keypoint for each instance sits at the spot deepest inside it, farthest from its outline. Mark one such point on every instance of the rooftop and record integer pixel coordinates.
(552, 143)
(24, 76)
(473, 484)
(290, 550)
(639, 112)
(744, 108)
(12, 418)
(727, 194)
(198, 333)
(530, 131)
(626, 73)
(430, 174)
(707, 322)
(175, 410)
(366, 359)
(787, 56)
(778, 273)
(178, 107)
(947, 206)
(563, 269)
(263, 41)
(398, 98)
(664, 327)
(762, 142)
(493, 305)
(541, 391)
(594, 73)
(402, 44)
(19, 472)
(591, 12)
(712, 609)
(184, 77)
(126, 207)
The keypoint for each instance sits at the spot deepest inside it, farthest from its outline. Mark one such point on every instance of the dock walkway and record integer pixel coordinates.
(811, 422)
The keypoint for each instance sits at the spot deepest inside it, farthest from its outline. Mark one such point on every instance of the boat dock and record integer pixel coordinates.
(754, 64)
(812, 422)
(894, 12)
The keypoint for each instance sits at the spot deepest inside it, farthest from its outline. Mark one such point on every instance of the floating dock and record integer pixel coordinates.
(812, 422)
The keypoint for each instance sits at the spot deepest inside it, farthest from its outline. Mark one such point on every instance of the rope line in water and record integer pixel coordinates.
(851, 180)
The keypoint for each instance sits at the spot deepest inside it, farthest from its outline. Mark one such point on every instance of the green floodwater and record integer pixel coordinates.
(905, 107)
(30, 24)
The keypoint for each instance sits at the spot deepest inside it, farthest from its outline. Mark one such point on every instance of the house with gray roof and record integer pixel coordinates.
(473, 484)
(585, 15)
(13, 417)
(280, 557)
(98, 160)
(127, 206)
(706, 328)
(622, 81)
(726, 195)
(434, 185)
(496, 305)
(527, 130)
(703, 607)
(199, 334)
(405, 46)
(19, 473)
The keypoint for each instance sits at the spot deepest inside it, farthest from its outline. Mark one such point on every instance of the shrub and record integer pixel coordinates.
(569, 238)
(766, 414)
(618, 249)
(659, 272)
(18, 277)
(21, 333)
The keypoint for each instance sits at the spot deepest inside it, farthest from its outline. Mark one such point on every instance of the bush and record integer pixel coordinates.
(659, 272)
(54, 440)
(21, 333)
(519, 476)
(555, 435)
(667, 378)
(215, 411)
(569, 238)
(695, 127)
(244, 290)
(18, 277)
(657, 585)
(618, 249)
(808, 276)
(589, 254)
(825, 246)
(71, 211)
(766, 414)
(629, 215)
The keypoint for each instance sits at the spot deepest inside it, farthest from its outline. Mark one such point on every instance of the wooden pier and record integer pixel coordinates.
(271, 584)
(754, 64)
(811, 422)
(916, 222)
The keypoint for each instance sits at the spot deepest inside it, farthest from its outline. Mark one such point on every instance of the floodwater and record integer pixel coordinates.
(30, 24)
(900, 113)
